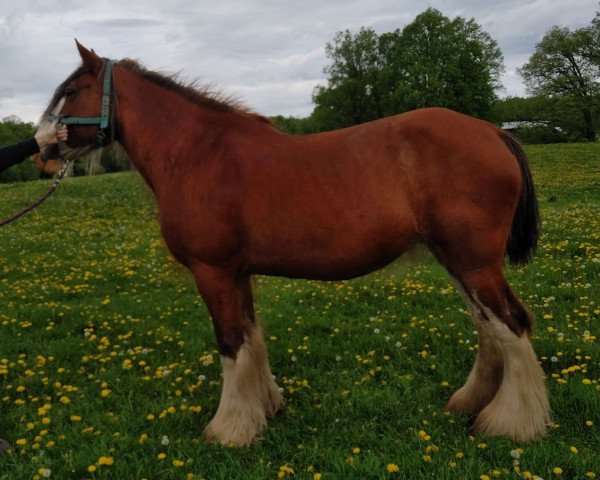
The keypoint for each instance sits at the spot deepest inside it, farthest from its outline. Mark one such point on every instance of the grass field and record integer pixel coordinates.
(108, 366)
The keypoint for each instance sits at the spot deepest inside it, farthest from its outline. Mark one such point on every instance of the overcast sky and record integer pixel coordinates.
(268, 53)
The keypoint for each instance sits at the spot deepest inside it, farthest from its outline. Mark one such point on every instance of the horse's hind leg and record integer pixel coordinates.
(249, 394)
(486, 375)
(519, 408)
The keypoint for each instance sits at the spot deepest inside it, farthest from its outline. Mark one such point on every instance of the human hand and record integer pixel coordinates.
(63, 133)
(48, 135)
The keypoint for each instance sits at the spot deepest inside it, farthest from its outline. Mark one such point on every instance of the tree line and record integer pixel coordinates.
(454, 63)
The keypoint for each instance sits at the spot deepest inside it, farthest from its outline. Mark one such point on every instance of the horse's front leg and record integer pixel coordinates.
(249, 394)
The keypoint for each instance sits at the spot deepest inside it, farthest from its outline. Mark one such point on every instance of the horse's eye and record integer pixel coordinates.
(70, 92)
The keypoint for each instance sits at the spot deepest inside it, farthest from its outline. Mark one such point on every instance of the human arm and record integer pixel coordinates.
(13, 154)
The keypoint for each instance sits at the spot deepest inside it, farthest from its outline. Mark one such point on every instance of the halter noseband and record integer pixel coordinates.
(104, 119)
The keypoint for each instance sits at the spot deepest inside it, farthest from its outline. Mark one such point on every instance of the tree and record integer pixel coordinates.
(352, 95)
(566, 66)
(13, 130)
(434, 61)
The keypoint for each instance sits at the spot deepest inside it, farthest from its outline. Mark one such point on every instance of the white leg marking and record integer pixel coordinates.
(485, 377)
(249, 395)
(520, 410)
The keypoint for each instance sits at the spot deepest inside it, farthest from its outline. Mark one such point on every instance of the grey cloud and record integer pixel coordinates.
(122, 23)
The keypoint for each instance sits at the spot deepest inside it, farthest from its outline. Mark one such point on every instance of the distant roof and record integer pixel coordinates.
(521, 124)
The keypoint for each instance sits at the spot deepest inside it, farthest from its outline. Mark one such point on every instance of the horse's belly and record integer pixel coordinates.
(344, 256)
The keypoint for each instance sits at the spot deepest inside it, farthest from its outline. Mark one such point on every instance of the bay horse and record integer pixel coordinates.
(236, 198)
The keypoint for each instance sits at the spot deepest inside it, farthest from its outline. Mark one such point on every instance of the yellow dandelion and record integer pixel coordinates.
(557, 471)
(392, 468)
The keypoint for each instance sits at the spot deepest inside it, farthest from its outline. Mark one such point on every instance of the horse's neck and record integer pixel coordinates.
(150, 125)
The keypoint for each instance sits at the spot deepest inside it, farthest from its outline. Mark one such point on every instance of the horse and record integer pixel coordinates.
(236, 198)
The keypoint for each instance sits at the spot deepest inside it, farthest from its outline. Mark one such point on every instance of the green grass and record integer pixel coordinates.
(92, 302)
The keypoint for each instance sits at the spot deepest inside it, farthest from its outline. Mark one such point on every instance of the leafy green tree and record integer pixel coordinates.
(13, 130)
(352, 95)
(566, 66)
(434, 61)
(296, 125)
(520, 109)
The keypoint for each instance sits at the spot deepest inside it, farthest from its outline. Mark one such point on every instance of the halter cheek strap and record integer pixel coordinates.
(104, 119)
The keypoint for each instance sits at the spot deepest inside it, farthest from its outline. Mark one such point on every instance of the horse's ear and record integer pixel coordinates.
(90, 60)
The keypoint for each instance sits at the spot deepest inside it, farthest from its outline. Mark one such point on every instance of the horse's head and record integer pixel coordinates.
(82, 102)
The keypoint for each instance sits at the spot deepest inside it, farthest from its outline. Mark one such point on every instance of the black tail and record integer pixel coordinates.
(525, 229)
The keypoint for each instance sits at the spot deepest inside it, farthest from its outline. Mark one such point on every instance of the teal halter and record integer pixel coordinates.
(104, 119)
